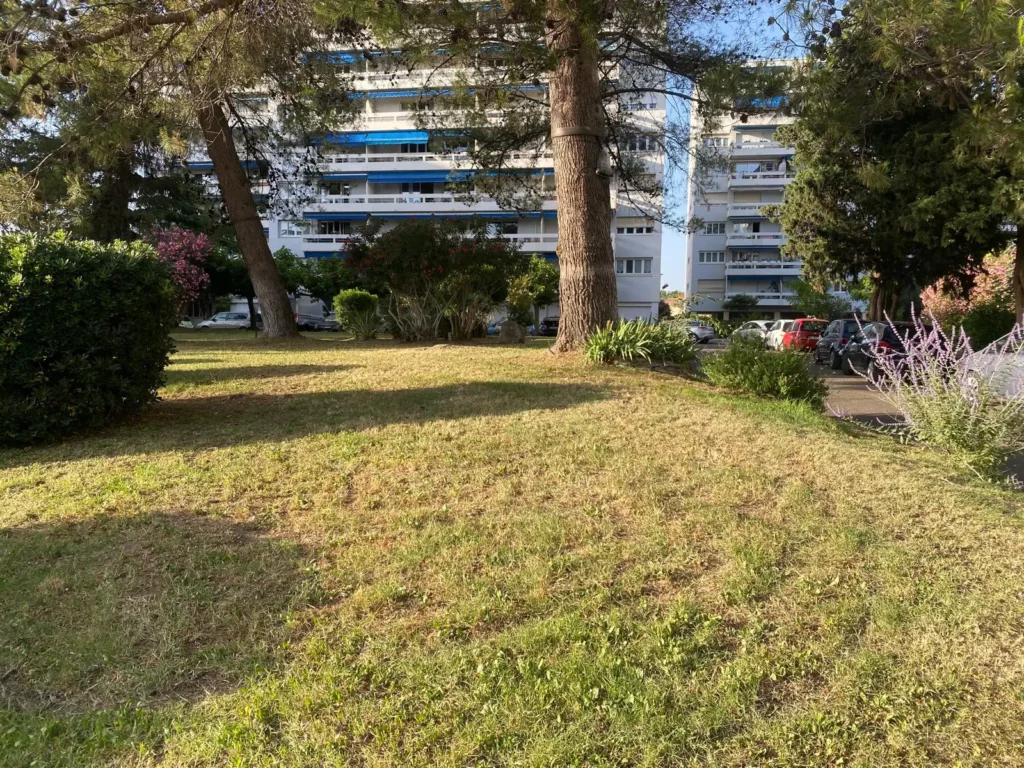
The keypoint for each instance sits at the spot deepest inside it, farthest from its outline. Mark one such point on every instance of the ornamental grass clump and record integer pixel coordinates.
(746, 366)
(969, 404)
(630, 341)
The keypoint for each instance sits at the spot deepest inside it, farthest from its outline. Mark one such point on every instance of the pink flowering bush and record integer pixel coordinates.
(186, 253)
(992, 287)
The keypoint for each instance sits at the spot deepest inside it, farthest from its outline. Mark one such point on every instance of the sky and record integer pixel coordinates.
(673, 244)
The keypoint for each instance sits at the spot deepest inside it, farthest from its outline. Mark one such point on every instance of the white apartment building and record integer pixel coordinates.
(388, 167)
(736, 249)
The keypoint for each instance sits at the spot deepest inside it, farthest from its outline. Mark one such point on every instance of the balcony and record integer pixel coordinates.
(760, 149)
(747, 210)
(756, 240)
(765, 268)
(763, 180)
(427, 160)
(528, 242)
(765, 299)
(419, 203)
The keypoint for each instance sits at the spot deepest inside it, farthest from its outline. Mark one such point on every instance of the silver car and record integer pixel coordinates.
(699, 331)
(1000, 365)
(778, 329)
(238, 321)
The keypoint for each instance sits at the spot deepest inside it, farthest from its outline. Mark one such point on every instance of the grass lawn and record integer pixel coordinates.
(369, 554)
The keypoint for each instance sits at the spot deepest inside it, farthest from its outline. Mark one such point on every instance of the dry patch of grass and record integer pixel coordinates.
(379, 554)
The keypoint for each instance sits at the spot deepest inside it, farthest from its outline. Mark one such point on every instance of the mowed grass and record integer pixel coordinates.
(373, 554)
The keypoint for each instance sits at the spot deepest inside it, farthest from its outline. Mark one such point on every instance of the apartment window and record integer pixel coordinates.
(292, 228)
(714, 228)
(334, 228)
(335, 188)
(716, 141)
(423, 187)
(746, 227)
(767, 166)
(633, 266)
(642, 143)
(408, 149)
(420, 105)
(634, 230)
(711, 257)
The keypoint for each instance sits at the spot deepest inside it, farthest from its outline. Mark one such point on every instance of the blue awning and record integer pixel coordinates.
(323, 254)
(484, 216)
(402, 177)
(397, 137)
(343, 176)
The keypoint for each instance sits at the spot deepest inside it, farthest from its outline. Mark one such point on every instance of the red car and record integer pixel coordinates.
(804, 334)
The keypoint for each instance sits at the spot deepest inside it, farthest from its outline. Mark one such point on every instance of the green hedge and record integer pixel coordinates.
(84, 333)
(746, 366)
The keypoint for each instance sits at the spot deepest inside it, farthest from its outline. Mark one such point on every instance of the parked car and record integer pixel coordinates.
(548, 327)
(699, 331)
(829, 348)
(316, 322)
(755, 330)
(871, 341)
(227, 320)
(1000, 365)
(493, 329)
(778, 329)
(804, 334)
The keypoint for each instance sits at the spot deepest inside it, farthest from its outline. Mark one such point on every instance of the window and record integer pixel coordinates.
(424, 187)
(411, 148)
(292, 228)
(334, 228)
(634, 230)
(503, 228)
(420, 105)
(716, 141)
(711, 257)
(714, 228)
(633, 266)
(643, 143)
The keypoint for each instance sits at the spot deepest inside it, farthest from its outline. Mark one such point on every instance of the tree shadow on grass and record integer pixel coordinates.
(177, 377)
(196, 423)
(150, 609)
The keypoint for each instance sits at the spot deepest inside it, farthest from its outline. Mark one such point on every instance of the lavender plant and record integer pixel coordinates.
(967, 403)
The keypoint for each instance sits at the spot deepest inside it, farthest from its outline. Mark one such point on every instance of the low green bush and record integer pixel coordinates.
(629, 341)
(84, 333)
(356, 311)
(986, 323)
(746, 366)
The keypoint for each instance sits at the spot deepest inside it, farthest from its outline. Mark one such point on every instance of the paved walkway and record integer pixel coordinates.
(851, 396)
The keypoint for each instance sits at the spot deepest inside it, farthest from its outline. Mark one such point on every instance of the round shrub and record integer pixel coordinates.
(987, 322)
(84, 333)
(630, 340)
(746, 366)
(356, 311)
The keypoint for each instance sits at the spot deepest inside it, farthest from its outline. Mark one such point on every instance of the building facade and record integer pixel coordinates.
(386, 166)
(735, 250)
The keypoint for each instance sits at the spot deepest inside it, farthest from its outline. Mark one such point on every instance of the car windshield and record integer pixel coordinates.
(813, 327)
(850, 327)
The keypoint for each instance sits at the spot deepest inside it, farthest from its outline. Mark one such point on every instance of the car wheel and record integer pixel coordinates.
(874, 375)
(834, 360)
(847, 367)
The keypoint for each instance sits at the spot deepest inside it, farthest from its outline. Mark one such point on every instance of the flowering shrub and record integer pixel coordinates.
(435, 271)
(992, 287)
(631, 340)
(186, 254)
(951, 397)
(746, 366)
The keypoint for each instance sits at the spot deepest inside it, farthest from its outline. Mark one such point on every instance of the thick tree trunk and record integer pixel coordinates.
(586, 283)
(278, 317)
(113, 204)
(1018, 274)
(252, 312)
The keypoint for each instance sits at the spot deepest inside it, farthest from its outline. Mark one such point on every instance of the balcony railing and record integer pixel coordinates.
(420, 157)
(763, 178)
(774, 297)
(774, 239)
(746, 210)
(533, 239)
(773, 265)
(414, 199)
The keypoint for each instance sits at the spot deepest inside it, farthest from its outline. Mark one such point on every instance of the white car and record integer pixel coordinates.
(1000, 365)
(231, 320)
(754, 330)
(778, 329)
